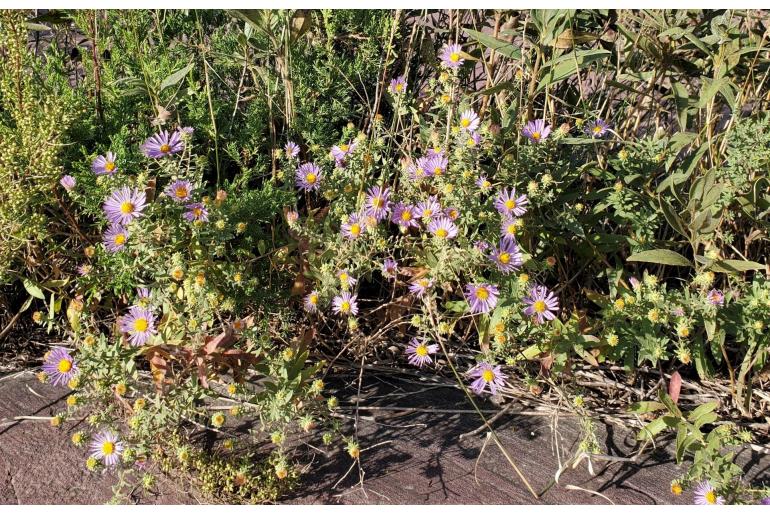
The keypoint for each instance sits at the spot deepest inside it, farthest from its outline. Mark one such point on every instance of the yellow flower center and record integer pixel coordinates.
(419, 172)
(120, 239)
(140, 325)
(165, 148)
(511, 229)
(127, 207)
(181, 192)
(482, 293)
(486, 184)
(597, 129)
(108, 448)
(536, 135)
(441, 233)
(344, 148)
(399, 87)
(505, 258)
(313, 299)
(344, 278)
(355, 229)
(465, 122)
(406, 215)
(454, 57)
(510, 204)
(109, 166)
(539, 306)
(65, 366)
(310, 178)
(178, 274)
(345, 306)
(423, 282)
(711, 497)
(438, 170)
(427, 213)
(197, 212)
(488, 376)
(421, 350)
(377, 202)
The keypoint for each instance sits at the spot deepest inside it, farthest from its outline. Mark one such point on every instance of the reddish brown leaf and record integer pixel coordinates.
(675, 386)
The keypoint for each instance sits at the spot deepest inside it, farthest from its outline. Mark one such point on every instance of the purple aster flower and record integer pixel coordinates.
(68, 182)
(597, 129)
(435, 152)
(84, 269)
(196, 212)
(436, 165)
(377, 202)
(765, 501)
(187, 130)
(481, 246)
(541, 304)
(469, 120)
(354, 227)
(450, 56)
(105, 165)
(143, 296)
(115, 238)
(487, 377)
(341, 152)
(59, 366)
(346, 280)
(716, 298)
(452, 212)
(139, 323)
(483, 183)
(179, 190)
(536, 131)
(308, 177)
(509, 227)
(162, 144)
(291, 149)
(419, 352)
(345, 304)
(474, 138)
(429, 208)
(507, 203)
(482, 297)
(397, 85)
(124, 205)
(311, 302)
(421, 286)
(405, 215)
(705, 494)
(419, 169)
(442, 228)
(106, 446)
(389, 268)
(507, 256)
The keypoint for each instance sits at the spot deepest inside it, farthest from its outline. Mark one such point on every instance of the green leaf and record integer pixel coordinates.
(646, 407)
(660, 256)
(175, 77)
(33, 289)
(672, 217)
(569, 64)
(502, 47)
(650, 430)
(736, 265)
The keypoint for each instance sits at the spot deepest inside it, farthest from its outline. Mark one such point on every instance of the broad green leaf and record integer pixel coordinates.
(175, 77)
(672, 217)
(498, 45)
(660, 256)
(736, 265)
(33, 289)
(646, 407)
(569, 64)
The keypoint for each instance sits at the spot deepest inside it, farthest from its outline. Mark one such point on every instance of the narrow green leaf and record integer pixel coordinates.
(175, 77)
(660, 256)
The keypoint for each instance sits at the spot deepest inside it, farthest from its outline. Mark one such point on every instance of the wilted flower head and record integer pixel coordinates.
(452, 212)
(162, 144)
(345, 304)
(196, 212)
(469, 120)
(541, 304)
(292, 216)
(443, 228)
(482, 297)
(106, 446)
(597, 129)
(390, 268)
(291, 149)
(59, 366)
(705, 494)
(508, 204)
(716, 297)
(397, 85)
(139, 324)
(179, 190)
(450, 56)
(405, 215)
(124, 205)
(311, 302)
(115, 238)
(419, 352)
(420, 286)
(487, 377)
(536, 131)
(105, 165)
(377, 202)
(507, 256)
(308, 177)
(68, 182)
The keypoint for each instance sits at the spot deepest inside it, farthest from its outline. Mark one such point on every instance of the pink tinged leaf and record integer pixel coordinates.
(674, 387)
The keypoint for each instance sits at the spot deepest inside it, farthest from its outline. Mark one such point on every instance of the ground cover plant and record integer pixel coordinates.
(213, 209)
